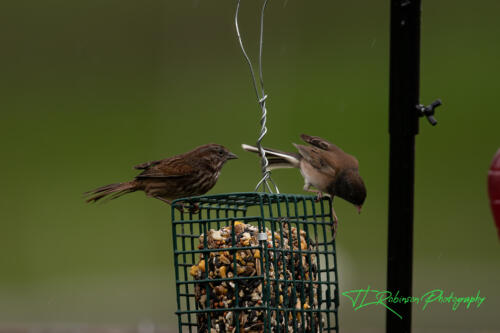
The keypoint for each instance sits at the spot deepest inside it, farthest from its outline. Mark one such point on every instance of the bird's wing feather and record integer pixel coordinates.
(315, 157)
(146, 165)
(167, 168)
(284, 159)
(333, 154)
(341, 160)
(320, 143)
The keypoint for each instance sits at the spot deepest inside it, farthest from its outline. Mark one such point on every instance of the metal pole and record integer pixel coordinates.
(403, 126)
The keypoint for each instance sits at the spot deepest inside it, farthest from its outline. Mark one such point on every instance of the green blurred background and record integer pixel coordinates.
(91, 88)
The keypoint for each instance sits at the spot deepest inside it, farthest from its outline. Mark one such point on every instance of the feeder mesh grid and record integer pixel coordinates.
(298, 284)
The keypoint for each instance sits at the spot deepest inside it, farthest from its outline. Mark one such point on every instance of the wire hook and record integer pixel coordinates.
(261, 98)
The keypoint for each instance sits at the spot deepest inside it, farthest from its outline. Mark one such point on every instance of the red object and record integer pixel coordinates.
(494, 189)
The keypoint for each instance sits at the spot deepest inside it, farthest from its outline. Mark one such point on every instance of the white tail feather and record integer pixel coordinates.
(293, 160)
(275, 166)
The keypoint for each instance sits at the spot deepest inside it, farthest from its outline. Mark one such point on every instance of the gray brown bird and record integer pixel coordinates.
(323, 165)
(189, 174)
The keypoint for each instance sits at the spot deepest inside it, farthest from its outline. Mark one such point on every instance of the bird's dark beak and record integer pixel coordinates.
(231, 156)
(359, 209)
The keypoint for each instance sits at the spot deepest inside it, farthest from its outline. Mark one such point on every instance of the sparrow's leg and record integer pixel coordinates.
(181, 208)
(164, 200)
(335, 220)
(194, 209)
(319, 194)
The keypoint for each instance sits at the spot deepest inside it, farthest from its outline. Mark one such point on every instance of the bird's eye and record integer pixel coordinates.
(221, 152)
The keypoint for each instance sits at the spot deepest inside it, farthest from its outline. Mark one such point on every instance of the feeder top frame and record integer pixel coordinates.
(244, 199)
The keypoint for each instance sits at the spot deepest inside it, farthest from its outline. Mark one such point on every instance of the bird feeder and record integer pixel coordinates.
(258, 261)
(255, 262)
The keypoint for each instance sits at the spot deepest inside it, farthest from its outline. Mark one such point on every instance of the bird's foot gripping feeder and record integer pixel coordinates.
(255, 262)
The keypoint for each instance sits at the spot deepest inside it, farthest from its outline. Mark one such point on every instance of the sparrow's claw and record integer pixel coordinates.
(192, 208)
(334, 222)
(334, 227)
(195, 208)
(319, 194)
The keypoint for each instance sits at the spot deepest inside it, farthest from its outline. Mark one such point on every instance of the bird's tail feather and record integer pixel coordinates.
(277, 159)
(276, 163)
(111, 191)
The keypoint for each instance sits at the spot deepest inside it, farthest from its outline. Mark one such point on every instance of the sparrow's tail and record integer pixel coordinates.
(277, 159)
(111, 191)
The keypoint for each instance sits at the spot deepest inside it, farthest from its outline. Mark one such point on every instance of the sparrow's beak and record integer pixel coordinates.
(231, 156)
(359, 209)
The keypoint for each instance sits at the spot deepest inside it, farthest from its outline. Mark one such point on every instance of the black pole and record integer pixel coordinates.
(403, 126)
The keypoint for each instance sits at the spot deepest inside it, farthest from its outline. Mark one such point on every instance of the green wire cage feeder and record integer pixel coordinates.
(258, 261)
(255, 262)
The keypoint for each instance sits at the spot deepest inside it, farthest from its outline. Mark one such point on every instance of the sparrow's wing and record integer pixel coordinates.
(333, 154)
(316, 158)
(277, 159)
(320, 143)
(168, 168)
(146, 165)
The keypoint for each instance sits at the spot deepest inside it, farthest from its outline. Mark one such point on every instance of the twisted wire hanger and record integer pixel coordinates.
(261, 98)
